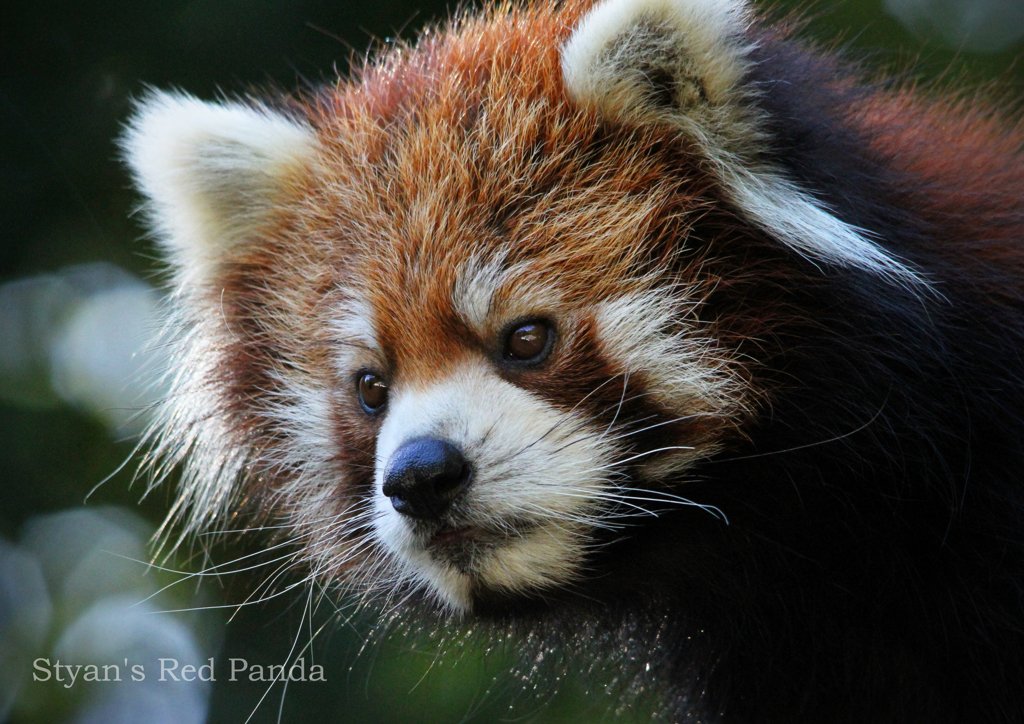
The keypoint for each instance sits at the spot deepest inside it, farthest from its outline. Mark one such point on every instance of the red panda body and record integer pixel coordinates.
(641, 319)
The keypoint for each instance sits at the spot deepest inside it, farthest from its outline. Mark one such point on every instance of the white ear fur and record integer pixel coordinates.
(211, 171)
(684, 63)
(611, 53)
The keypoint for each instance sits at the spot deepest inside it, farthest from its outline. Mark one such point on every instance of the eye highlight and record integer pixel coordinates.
(529, 342)
(372, 391)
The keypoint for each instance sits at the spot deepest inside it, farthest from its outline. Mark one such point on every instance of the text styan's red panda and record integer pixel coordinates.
(637, 316)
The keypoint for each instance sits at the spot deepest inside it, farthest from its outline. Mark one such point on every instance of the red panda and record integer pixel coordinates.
(641, 317)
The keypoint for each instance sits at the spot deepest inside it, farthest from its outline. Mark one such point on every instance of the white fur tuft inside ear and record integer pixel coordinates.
(211, 171)
(685, 63)
(618, 50)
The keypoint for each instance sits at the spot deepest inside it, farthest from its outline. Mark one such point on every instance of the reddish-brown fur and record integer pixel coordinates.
(960, 154)
(388, 213)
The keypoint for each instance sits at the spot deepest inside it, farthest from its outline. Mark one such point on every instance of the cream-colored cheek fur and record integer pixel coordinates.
(701, 47)
(651, 335)
(211, 172)
(531, 463)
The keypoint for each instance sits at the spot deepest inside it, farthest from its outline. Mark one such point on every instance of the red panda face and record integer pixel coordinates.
(490, 472)
(446, 321)
(494, 388)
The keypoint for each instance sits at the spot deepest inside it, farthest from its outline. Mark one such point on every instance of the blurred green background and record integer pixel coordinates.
(78, 279)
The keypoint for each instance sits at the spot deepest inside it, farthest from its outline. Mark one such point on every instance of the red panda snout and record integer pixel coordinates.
(525, 513)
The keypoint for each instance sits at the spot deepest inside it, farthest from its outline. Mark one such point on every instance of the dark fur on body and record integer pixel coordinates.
(872, 563)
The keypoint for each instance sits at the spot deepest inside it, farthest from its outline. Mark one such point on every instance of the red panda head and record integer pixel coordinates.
(447, 321)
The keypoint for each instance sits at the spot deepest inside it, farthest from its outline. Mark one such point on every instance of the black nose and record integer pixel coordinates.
(424, 476)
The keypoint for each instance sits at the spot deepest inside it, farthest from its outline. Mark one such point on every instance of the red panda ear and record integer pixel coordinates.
(645, 59)
(686, 63)
(211, 172)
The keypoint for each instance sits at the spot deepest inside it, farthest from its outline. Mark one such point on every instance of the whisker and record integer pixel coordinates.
(640, 455)
(622, 400)
(567, 416)
(827, 441)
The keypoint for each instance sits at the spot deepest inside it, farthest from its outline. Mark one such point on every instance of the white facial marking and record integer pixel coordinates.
(474, 292)
(355, 336)
(649, 334)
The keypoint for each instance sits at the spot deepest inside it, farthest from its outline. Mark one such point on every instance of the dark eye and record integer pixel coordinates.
(529, 342)
(373, 391)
